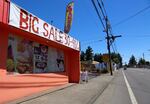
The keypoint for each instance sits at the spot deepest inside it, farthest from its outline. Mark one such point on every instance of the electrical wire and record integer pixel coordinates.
(132, 16)
(98, 14)
(91, 42)
(136, 36)
(104, 15)
(113, 48)
(104, 7)
(91, 14)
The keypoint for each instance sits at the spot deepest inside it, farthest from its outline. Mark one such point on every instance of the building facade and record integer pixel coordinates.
(29, 45)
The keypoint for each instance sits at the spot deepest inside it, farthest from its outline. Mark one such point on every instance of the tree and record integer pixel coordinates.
(132, 61)
(89, 53)
(98, 57)
(147, 63)
(82, 56)
(116, 58)
(142, 61)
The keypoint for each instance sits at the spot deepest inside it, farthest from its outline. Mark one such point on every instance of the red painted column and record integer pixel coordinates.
(3, 48)
(74, 64)
(66, 58)
(4, 16)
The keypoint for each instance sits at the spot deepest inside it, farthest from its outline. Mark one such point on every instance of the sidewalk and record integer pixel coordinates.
(84, 93)
(16, 86)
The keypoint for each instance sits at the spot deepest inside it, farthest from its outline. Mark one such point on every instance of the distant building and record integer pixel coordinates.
(93, 66)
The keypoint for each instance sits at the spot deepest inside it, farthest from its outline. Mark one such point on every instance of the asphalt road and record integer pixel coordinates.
(118, 92)
(140, 83)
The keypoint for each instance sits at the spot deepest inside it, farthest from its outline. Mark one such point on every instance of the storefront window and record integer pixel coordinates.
(26, 56)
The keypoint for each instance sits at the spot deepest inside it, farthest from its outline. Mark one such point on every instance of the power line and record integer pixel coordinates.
(132, 16)
(104, 13)
(113, 48)
(103, 7)
(91, 42)
(98, 14)
(136, 36)
(91, 14)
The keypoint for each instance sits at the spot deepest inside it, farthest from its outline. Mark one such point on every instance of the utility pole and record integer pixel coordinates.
(106, 27)
(108, 44)
(143, 57)
(143, 61)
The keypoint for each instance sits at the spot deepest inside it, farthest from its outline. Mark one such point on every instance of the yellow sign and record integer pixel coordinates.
(105, 57)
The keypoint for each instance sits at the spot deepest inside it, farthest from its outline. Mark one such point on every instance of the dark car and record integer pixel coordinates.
(125, 67)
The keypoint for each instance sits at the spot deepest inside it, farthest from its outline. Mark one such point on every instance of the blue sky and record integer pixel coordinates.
(87, 28)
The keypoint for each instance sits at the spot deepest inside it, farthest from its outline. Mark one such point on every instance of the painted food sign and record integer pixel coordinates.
(26, 56)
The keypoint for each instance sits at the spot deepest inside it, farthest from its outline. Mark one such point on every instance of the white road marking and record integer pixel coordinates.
(131, 94)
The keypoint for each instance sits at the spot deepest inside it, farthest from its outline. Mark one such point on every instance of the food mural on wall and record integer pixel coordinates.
(55, 60)
(26, 56)
(40, 58)
(60, 60)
